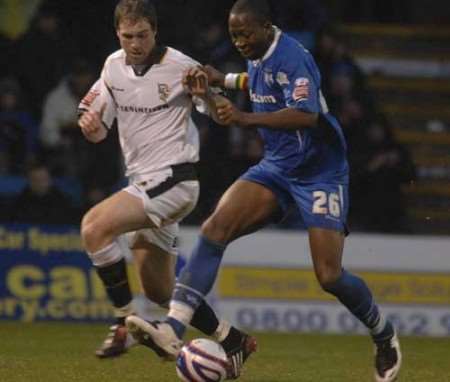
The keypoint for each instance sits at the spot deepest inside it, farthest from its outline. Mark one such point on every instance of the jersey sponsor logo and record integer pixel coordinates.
(164, 91)
(301, 89)
(90, 97)
(142, 109)
(117, 89)
(259, 98)
(282, 78)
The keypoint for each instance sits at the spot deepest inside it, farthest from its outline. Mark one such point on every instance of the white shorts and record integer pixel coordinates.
(166, 204)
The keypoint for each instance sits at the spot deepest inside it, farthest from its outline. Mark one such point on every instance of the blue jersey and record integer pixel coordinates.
(287, 77)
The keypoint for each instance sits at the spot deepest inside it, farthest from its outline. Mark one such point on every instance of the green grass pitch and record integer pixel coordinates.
(56, 352)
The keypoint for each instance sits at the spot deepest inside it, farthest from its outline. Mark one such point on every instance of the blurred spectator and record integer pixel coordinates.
(18, 131)
(94, 194)
(342, 78)
(62, 140)
(213, 44)
(41, 202)
(301, 19)
(399, 11)
(382, 170)
(41, 56)
(353, 119)
(5, 48)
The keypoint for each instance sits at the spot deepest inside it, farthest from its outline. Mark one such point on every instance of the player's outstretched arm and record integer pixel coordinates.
(285, 119)
(288, 118)
(215, 77)
(195, 80)
(91, 125)
(231, 81)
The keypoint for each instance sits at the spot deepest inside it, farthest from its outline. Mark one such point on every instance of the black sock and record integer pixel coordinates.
(204, 319)
(115, 279)
(120, 321)
(233, 340)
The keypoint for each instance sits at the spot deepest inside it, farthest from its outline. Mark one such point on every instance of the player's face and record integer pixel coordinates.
(250, 37)
(137, 39)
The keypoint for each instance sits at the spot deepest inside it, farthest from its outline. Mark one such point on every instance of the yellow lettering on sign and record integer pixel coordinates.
(301, 284)
(55, 309)
(25, 281)
(11, 240)
(97, 287)
(44, 242)
(270, 283)
(68, 283)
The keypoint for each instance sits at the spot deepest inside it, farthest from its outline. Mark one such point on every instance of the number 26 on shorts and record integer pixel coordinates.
(327, 203)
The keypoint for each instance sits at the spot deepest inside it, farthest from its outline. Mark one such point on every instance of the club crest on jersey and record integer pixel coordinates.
(301, 89)
(164, 91)
(268, 78)
(282, 78)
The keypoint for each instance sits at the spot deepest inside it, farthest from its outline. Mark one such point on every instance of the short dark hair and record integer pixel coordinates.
(135, 10)
(258, 8)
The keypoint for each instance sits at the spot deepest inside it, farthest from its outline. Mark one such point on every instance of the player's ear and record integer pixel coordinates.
(154, 28)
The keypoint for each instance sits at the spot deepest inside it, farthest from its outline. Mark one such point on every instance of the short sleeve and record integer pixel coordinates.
(299, 80)
(97, 96)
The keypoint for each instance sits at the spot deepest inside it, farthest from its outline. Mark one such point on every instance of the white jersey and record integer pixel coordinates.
(153, 112)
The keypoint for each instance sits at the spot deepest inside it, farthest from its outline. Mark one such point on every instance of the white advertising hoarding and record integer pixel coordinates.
(266, 282)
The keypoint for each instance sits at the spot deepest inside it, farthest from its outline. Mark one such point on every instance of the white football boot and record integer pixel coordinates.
(388, 360)
(160, 335)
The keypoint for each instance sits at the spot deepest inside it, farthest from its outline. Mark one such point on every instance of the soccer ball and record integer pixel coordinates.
(202, 360)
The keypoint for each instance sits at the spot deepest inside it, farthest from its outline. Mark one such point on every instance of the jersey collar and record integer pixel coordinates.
(271, 47)
(156, 57)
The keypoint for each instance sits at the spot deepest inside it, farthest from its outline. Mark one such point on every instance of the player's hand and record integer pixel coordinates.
(90, 121)
(215, 77)
(227, 112)
(195, 80)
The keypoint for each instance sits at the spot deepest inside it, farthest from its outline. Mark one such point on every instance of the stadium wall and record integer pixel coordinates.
(266, 282)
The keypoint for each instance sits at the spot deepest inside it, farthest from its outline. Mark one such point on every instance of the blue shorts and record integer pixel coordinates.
(321, 204)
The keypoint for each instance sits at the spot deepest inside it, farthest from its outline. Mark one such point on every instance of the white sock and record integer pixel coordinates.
(379, 327)
(222, 330)
(180, 312)
(124, 311)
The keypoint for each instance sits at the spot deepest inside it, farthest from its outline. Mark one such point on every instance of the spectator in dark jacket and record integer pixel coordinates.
(381, 172)
(41, 202)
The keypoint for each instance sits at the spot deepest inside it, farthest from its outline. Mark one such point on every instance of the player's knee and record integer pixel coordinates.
(93, 234)
(327, 277)
(218, 229)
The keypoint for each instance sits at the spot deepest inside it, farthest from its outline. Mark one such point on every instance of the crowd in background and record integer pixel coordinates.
(50, 174)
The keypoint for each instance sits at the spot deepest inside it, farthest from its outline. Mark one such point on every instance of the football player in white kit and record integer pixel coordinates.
(141, 86)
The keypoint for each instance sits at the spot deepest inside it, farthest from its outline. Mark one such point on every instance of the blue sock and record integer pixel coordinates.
(354, 294)
(178, 327)
(197, 277)
(201, 270)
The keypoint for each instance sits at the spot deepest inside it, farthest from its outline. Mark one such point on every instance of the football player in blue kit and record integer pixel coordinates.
(304, 163)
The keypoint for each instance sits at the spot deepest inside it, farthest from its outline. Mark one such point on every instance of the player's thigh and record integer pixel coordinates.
(156, 269)
(120, 213)
(245, 206)
(324, 207)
